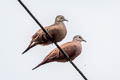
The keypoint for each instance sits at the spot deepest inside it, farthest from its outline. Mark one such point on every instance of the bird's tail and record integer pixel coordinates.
(43, 62)
(29, 47)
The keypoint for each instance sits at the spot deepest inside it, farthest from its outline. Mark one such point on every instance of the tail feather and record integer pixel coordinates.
(43, 62)
(29, 47)
(37, 66)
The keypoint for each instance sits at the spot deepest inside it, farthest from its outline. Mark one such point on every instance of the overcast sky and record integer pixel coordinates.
(98, 21)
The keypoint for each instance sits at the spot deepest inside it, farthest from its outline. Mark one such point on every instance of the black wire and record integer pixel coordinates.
(50, 37)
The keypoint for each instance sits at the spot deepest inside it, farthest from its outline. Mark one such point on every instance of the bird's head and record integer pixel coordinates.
(78, 38)
(60, 18)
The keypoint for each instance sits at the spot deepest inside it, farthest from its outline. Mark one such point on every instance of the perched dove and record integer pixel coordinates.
(73, 49)
(57, 31)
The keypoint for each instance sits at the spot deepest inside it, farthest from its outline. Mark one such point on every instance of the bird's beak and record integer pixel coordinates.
(65, 20)
(84, 40)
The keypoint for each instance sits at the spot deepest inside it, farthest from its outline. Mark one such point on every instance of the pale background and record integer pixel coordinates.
(98, 21)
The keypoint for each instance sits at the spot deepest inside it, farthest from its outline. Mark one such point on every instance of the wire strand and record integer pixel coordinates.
(50, 37)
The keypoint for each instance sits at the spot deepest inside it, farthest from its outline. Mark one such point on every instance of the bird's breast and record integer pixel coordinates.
(60, 32)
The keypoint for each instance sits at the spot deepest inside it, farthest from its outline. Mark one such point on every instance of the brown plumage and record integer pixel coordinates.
(73, 49)
(57, 31)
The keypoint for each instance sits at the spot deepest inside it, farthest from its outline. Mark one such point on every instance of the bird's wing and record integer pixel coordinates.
(53, 55)
(40, 36)
(49, 29)
(37, 33)
(56, 55)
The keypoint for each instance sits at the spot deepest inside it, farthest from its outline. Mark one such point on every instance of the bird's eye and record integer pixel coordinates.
(79, 37)
(61, 18)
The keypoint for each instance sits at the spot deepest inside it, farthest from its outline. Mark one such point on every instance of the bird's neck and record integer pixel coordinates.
(77, 40)
(58, 22)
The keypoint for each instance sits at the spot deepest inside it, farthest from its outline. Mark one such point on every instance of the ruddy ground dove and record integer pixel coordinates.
(72, 48)
(57, 31)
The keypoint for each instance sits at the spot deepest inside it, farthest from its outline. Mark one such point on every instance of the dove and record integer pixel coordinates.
(57, 31)
(72, 48)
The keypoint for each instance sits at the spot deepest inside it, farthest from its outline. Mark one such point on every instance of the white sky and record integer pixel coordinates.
(98, 21)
